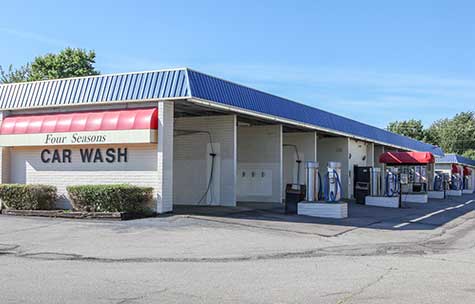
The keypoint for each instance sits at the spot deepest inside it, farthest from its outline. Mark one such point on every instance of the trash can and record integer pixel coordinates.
(294, 193)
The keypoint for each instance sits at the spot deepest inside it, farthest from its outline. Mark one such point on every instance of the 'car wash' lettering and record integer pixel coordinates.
(97, 155)
(94, 155)
(56, 156)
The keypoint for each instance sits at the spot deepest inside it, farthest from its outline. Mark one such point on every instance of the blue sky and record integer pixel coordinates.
(374, 61)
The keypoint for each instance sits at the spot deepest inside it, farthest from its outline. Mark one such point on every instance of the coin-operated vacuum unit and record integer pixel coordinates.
(439, 181)
(456, 182)
(467, 180)
(313, 182)
(392, 182)
(323, 203)
(332, 185)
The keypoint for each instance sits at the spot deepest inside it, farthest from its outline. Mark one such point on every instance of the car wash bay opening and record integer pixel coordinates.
(196, 139)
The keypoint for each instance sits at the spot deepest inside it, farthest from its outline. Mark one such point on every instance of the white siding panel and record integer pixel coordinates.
(260, 154)
(141, 169)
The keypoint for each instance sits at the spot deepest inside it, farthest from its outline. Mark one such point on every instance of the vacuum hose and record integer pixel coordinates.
(390, 192)
(213, 155)
(330, 195)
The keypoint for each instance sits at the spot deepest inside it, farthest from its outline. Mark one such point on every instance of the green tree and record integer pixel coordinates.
(14, 75)
(470, 153)
(67, 63)
(455, 135)
(411, 128)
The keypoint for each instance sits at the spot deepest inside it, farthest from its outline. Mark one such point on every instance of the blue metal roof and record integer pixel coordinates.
(185, 83)
(104, 88)
(225, 92)
(455, 159)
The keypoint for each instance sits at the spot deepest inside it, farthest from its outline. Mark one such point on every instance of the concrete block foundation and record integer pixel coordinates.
(454, 193)
(323, 209)
(436, 194)
(415, 198)
(382, 201)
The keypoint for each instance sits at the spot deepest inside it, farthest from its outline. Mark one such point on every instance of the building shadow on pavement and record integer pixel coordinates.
(412, 216)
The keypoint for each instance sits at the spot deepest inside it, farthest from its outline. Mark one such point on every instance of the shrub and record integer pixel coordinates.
(110, 198)
(28, 197)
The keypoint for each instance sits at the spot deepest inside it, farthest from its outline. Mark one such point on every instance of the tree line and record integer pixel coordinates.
(453, 135)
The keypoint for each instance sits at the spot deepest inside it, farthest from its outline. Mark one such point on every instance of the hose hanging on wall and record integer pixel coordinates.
(212, 154)
(298, 161)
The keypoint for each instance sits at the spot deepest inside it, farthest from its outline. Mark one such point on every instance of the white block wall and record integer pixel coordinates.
(306, 143)
(358, 151)
(141, 169)
(334, 149)
(192, 162)
(259, 153)
(148, 165)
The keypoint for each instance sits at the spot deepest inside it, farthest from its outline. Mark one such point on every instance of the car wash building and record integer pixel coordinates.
(194, 138)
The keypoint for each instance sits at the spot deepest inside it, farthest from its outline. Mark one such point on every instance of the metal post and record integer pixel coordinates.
(312, 180)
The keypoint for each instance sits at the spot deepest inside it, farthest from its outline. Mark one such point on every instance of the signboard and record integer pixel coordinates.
(80, 138)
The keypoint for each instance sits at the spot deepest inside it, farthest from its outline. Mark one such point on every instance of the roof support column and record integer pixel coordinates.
(164, 188)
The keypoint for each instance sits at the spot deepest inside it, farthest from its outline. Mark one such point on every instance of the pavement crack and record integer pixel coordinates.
(365, 287)
(287, 230)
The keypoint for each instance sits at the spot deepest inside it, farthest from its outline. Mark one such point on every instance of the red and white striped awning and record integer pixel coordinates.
(79, 128)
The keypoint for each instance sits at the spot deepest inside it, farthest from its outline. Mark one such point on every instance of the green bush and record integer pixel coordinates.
(110, 198)
(28, 197)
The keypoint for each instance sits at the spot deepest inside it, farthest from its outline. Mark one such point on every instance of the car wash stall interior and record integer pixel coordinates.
(195, 138)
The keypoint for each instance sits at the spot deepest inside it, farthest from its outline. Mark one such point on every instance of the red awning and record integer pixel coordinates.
(402, 158)
(133, 119)
(456, 169)
(467, 171)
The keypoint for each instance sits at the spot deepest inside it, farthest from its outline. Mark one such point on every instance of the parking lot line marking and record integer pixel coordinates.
(401, 225)
(432, 214)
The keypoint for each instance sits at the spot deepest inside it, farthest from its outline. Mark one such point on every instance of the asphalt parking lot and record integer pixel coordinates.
(250, 254)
